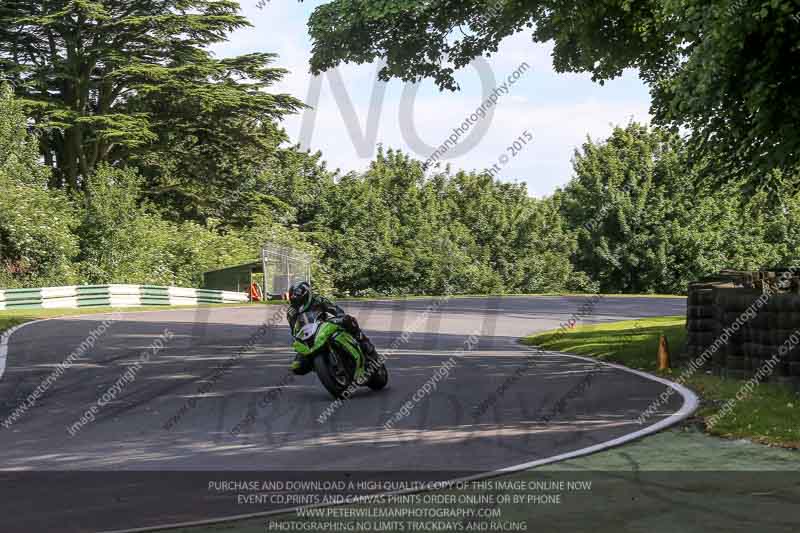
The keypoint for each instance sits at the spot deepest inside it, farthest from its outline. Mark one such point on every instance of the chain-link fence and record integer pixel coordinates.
(283, 266)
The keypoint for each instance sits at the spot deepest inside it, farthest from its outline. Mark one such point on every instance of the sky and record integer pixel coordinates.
(558, 111)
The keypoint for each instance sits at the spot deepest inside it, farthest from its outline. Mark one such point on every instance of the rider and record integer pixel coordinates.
(301, 300)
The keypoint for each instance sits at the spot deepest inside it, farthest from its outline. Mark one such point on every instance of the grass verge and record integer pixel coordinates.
(770, 415)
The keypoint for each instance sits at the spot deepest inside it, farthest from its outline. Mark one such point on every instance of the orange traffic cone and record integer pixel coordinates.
(663, 353)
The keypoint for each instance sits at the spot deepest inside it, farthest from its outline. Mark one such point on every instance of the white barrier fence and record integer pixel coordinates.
(79, 296)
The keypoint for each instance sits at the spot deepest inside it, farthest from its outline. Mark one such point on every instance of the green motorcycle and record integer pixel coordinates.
(336, 355)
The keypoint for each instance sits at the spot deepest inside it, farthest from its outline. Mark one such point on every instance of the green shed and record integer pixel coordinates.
(237, 278)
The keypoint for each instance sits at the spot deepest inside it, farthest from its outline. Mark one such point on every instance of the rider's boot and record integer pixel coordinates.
(368, 348)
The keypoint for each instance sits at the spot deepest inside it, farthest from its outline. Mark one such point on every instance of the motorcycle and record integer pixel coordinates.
(336, 355)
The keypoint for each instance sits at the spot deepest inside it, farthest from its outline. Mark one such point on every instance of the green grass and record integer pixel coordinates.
(770, 415)
(632, 343)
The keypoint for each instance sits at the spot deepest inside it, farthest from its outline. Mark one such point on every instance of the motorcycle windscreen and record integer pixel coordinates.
(306, 325)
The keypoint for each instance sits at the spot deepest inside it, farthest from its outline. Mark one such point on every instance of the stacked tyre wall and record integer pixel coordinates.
(742, 320)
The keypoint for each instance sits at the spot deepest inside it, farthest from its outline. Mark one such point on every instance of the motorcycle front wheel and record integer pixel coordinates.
(335, 371)
(379, 378)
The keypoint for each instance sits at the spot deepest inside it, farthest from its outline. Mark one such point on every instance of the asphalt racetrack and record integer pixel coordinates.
(217, 400)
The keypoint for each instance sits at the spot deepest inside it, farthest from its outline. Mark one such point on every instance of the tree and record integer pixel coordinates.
(621, 202)
(211, 150)
(725, 69)
(125, 242)
(296, 183)
(37, 244)
(108, 77)
(645, 223)
(392, 230)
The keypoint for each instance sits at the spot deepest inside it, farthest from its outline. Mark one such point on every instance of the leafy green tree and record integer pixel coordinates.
(119, 239)
(109, 77)
(37, 245)
(626, 194)
(724, 69)
(295, 184)
(125, 242)
(214, 144)
(355, 234)
(543, 245)
(392, 230)
(646, 224)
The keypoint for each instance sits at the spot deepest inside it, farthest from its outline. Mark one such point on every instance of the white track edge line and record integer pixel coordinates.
(690, 404)
(6, 338)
